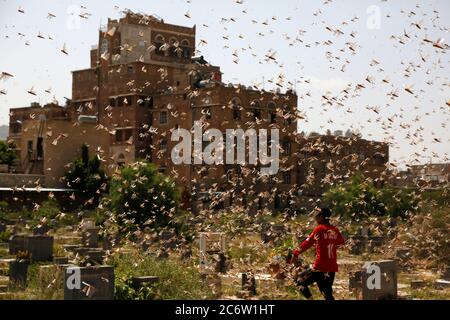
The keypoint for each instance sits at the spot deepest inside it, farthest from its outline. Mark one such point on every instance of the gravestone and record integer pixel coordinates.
(272, 233)
(18, 272)
(92, 255)
(403, 254)
(249, 282)
(364, 231)
(446, 273)
(358, 245)
(96, 283)
(210, 244)
(214, 282)
(41, 229)
(441, 284)
(110, 241)
(374, 243)
(168, 239)
(87, 223)
(89, 237)
(40, 247)
(60, 260)
(379, 280)
(52, 276)
(417, 284)
(138, 282)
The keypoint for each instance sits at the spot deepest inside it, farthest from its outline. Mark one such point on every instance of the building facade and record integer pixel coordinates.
(144, 82)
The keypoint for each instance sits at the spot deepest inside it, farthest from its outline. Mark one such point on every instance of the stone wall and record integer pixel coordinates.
(10, 180)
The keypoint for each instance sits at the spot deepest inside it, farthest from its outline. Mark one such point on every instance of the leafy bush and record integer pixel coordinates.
(87, 176)
(4, 236)
(359, 198)
(429, 236)
(177, 280)
(124, 291)
(3, 211)
(7, 153)
(141, 196)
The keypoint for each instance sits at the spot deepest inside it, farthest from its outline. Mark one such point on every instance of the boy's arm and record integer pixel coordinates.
(306, 244)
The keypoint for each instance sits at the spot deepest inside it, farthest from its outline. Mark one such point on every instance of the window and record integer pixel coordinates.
(287, 115)
(287, 177)
(118, 136)
(163, 117)
(128, 134)
(173, 47)
(236, 106)
(272, 117)
(163, 145)
(30, 146)
(162, 169)
(130, 70)
(120, 101)
(159, 41)
(142, 134)
(141, 101)
(185, 48)
(16, 127)
(256, 114)
(230, 175)
(112, 102)
(286, 148)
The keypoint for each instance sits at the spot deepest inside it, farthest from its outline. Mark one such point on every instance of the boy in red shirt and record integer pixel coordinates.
(327, 239)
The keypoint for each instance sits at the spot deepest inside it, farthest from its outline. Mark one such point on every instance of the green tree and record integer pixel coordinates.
(7, 152)
(141, 196)
(87, 176)
(360, 198)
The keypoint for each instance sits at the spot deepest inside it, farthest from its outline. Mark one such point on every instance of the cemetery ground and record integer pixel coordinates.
(159, 264)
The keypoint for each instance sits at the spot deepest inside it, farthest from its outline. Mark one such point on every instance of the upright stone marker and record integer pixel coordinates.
(379, 280)
(210, 244)
(39, 246)
(95, 283)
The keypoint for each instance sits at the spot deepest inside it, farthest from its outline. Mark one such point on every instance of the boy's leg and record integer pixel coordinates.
(307, 281)
(325, 284)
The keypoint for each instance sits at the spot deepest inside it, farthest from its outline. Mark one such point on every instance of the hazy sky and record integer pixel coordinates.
(239, 38)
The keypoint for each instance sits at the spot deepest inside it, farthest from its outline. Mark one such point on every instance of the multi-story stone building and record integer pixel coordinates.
(144, 82)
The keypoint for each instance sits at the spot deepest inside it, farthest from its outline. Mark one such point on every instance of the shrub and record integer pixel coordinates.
(4, 236)
(359, 198)
(3, 211)
(429, 236)
(177, 280)
(87, 176)
(7, 153)
(141, 196)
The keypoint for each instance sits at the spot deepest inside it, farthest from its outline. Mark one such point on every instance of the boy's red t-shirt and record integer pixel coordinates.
(327, 239)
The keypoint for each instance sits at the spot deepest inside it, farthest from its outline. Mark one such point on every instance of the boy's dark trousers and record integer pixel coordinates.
(324, 281)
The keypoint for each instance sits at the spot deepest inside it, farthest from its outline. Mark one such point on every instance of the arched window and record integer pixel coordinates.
(272, 112)
(236, 106)
(159, 41)
(255, 104)
(185, 47)
(173, 42)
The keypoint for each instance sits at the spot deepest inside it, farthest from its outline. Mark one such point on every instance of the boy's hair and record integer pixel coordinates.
(325, 213)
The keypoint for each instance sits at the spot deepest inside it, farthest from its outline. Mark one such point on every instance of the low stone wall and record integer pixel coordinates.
(10, 180)
(20, 199)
